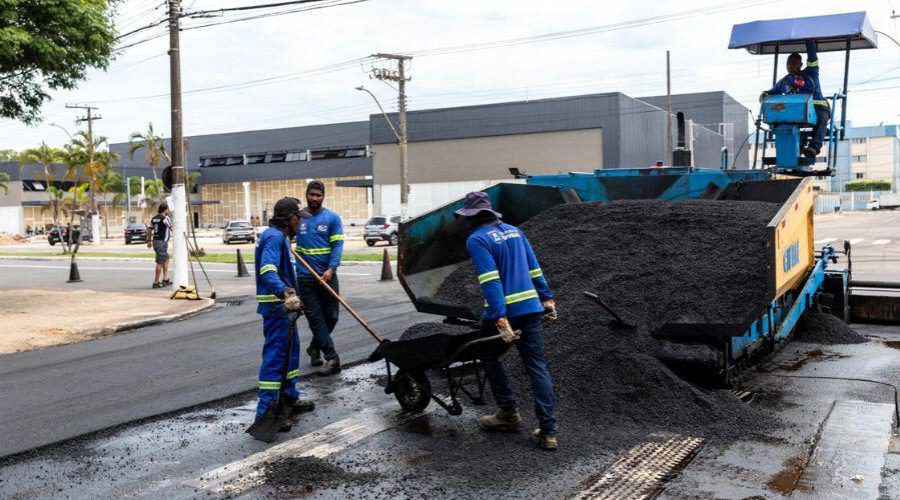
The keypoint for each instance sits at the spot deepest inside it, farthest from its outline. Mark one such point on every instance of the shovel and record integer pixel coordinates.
(267, 425)
(617, 320)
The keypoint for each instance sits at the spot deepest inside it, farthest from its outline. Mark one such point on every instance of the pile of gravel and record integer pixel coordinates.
(822, 328)
(654, 262)
(421, 330)
(303, 475)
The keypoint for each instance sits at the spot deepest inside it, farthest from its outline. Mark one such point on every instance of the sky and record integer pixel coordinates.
(294, 56)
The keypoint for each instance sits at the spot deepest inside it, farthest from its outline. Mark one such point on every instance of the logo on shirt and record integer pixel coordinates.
(501, 236)
(302, 228)
(323, 227)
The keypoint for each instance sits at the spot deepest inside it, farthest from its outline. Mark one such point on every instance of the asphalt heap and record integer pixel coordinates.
(653, 262)
(301, 476)
(823, 328)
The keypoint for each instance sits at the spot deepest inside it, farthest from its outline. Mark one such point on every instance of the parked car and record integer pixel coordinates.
(60, 234)
(884, 202)
(382, 228)
(135, 231)
(238, 230)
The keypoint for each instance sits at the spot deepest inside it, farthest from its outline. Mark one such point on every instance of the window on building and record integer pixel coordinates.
(858, 140)
(860, 175)
(235, 160)
(277, 157)
(216, 162)
(295, 156)
(251, 159)
(860, 158)
(355, 153)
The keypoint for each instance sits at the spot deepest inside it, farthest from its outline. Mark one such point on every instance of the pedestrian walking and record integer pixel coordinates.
(160, 232)
(276, 296)
(517, 297)
(320, 241)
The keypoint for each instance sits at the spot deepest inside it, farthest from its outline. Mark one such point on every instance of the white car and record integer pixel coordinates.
(873, 205)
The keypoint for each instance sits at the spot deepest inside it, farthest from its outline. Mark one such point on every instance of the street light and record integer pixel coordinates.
(62, 128)
(401, 143)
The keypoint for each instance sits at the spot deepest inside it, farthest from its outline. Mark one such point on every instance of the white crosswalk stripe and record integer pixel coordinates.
(823, 241)
(881, 242)
(856, 241)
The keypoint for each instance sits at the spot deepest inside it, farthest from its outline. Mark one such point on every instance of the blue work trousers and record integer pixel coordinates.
(276, 331)
(531, 351)
(823, 114)
(321, 310)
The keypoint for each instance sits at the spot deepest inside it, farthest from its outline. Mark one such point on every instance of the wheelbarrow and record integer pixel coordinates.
(455, 357)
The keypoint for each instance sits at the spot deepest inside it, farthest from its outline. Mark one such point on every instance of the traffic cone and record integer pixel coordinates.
(386, 273)
(74, 276)
(242, 269)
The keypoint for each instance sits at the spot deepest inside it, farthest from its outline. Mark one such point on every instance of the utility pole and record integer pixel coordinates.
(400, 77)
(668, 111)
(89, 118)
(178, 203)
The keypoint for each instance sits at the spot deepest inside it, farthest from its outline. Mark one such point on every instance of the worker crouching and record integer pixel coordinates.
(276, 297)
(516, 299)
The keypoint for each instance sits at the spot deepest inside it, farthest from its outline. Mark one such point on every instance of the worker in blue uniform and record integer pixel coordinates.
(320, 242)
(806, 81)
(276, 295)
(517, 298)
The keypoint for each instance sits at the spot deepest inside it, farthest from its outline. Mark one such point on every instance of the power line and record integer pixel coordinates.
(333, 3)
(201, 13)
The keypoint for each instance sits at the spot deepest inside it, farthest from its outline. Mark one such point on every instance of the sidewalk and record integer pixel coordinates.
(36, 318)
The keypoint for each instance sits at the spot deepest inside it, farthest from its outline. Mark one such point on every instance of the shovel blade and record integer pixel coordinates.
(266, 427)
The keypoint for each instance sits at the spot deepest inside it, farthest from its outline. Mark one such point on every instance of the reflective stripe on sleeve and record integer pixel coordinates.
(335, 237)
(268, 298)
(819, 102)
(812, 64)
(488, 276)
(313, 251)
(536, 273)
(269, 386)
(268, 267)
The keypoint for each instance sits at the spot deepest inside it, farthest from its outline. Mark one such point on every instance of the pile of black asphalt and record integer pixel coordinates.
(654, 262)
(824, 328)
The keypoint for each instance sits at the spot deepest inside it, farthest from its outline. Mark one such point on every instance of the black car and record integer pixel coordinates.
(135, 232)
(60, 234)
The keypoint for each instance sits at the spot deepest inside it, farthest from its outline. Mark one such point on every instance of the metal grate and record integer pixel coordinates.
(745, 396)
(230, 303)
(641, 472)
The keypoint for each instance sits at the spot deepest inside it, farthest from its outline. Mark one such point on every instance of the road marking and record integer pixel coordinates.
(855, 241)
(826, 240)
(881, 242)
(246, 473)
(143, 269)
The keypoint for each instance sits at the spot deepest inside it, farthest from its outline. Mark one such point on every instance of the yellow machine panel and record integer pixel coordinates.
(791, 232)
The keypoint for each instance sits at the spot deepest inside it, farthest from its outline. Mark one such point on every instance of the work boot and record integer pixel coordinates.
(299, 406)
(330, 367)
(809, 152)
(502, 420)
(315, 356)
(286, 425)
(544, 441)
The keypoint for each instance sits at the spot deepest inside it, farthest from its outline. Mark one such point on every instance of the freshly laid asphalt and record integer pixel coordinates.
(60, 392)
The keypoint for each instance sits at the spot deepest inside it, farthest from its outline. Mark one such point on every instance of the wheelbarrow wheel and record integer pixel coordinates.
(412, 390)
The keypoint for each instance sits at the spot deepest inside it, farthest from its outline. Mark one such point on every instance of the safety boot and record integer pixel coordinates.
(544, 441)
(330, 367)
(502, 420)
(298, 406)
(315, 356)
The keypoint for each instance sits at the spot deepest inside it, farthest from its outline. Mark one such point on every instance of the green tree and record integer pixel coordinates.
(50, 45)
(95, 159)
(47, 157)
(867, 185)
(153, 145)
(4, 179)
(9, 155)
(154, 191)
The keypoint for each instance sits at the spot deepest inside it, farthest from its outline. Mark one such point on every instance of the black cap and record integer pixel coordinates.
(475, 203)
(162, 208)
(286, 208)
(316, 185)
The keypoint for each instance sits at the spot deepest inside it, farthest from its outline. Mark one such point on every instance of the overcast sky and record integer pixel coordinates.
(630, 60)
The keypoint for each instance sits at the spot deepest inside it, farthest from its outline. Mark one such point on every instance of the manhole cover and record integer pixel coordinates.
(642, 470)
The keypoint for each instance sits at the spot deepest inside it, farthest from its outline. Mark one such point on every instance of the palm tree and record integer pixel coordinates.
(47, 157)
(153, 145)
(57, 199)
(154, 191)
(4, 178)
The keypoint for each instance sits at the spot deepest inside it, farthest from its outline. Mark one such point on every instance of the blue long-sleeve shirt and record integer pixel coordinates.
(320, 241)
(274, 266)
(810, 79)
(511, 279)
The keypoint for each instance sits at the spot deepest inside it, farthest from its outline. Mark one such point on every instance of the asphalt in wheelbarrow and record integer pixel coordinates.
(653, 262)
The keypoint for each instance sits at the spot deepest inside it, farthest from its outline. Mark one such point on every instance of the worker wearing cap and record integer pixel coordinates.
(320, 242)
(516, 296)
(276, 295)
(806, 81)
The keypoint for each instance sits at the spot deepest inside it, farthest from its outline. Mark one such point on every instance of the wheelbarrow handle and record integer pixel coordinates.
(469, 344)
(334, 294)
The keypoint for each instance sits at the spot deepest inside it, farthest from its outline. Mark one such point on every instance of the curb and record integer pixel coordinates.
(147, 259)
(133, 325)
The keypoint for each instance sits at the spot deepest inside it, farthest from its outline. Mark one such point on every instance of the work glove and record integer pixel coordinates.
(550, 313)
(292, 301)
(507, 334)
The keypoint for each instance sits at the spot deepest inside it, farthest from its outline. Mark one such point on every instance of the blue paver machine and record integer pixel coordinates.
(789, 117)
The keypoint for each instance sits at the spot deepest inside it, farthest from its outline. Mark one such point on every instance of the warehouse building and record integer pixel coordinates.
(454, 150)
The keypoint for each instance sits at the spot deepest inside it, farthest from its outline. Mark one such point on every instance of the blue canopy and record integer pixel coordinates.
(790, 35)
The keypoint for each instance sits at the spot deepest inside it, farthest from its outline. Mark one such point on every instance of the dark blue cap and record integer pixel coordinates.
(475, 203)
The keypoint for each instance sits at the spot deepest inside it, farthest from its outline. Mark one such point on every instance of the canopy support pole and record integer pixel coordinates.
(765, 133)
(846, 92)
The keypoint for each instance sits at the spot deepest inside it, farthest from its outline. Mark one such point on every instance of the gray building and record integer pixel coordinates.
(717, 112)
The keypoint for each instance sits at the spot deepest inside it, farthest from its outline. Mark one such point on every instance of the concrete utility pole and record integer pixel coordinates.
(178, 205)
(89, 118)
(400, 77)
(668, 111)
